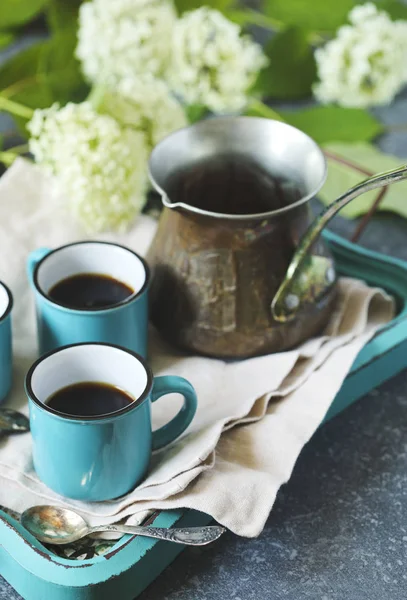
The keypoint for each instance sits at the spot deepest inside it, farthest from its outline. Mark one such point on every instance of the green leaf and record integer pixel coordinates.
(292, 68)
(348, 164)
(257, 108)
(18, 12)
(5, 38)
(333, 123)
(195, 112)
(46, 72)
(315, 15)
(394, 8)
(186, 5)
(22, 79)
(61, 70)
(62, 14)
(242, 17)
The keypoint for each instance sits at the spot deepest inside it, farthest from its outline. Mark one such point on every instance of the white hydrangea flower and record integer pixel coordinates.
(212, 63)
(147, 105)
(119, 38)
(99, 166)
(366, 64)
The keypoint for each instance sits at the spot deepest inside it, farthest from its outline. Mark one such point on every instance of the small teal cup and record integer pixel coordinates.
(99, 457)
(124, 323)
(6, 304)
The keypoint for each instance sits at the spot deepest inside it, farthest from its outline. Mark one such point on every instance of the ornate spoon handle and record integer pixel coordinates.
(191, 536)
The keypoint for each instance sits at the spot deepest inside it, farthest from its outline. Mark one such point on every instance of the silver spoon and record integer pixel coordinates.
(57, 525)
(12, 421)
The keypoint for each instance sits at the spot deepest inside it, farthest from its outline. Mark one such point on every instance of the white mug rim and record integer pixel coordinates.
(125, 302)
(9, 306)
(111, 415)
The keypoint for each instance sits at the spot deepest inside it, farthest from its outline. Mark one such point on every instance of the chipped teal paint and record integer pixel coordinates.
(36, 574)
(135, 562)
(386, 354)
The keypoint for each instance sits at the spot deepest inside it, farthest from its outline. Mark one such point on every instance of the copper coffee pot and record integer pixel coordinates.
(238, 266)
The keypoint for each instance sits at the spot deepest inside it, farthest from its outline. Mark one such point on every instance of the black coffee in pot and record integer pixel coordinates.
(89, 291)
(232, 186)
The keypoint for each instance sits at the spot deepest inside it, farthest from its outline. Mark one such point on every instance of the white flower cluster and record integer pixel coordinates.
(123, 38)
(212, 63)
(137, 54)
(202, 55)
(366, 64)
(98, 165)
(147, 105)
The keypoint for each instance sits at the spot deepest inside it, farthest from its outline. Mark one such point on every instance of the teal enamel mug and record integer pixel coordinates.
(101, 455)
(6, 304)
(123, 322)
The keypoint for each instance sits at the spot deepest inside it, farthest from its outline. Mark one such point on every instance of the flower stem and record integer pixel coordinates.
(14, 108)
(96, 95)
(7, 158)
(21, 149)
(259, 108)
(18, 86)
(253, 17)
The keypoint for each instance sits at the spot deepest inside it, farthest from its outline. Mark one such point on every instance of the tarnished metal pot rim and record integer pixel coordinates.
(279, 148)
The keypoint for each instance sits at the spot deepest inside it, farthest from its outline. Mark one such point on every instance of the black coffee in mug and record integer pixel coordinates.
(89, 290)
(89, 399)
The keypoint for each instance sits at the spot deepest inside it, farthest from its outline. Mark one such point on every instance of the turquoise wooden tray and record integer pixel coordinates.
(135, 562)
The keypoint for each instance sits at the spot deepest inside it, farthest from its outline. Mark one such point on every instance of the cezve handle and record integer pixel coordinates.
(287, 300)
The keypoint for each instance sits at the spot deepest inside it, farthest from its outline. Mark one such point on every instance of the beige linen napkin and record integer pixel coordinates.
(254, 416)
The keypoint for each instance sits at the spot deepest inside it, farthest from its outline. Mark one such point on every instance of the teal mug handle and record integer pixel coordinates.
(33, 259)
(172, 384)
